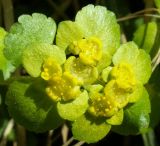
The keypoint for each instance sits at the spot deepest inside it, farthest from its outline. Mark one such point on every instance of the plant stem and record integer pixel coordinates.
(21, 136)
(7, 132)
(68, 142)
(80, 143)
(149, 138)
(8, 13)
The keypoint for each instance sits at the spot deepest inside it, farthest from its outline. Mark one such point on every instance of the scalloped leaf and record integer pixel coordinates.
(138, 58)
(29, 105)
(90, 129)
(35, 54)
(73, 109)
(5, 66)
(136, 117)
(145, 36)
(29, 29)
(99, 22)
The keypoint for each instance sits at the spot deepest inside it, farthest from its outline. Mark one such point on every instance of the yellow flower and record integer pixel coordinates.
(116, 94)
(124, 76)
(102, 105)
(50, 69)
(61, 86)
(89, 50)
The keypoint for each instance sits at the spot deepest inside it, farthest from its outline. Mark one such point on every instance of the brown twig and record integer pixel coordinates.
(8, 13)
(21, 135)
(142, 13)
(1, 13)
(136, 16)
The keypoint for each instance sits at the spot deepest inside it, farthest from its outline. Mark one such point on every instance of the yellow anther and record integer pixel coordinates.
(124, 76)
(50, 69)
(63, 87)
(46, 69)
(101, 106)
(45, 75)
(89, 50)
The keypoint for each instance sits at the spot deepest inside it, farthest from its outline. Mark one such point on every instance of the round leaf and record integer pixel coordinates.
(29, 106)
(89, 129)
(139, 60)
(29, 29)
(99, 22)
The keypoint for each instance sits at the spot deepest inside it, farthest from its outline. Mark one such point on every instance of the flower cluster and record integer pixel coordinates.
(90, 78)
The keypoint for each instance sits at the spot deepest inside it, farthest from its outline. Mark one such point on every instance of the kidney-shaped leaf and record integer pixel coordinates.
(29, 106)
(29, 29)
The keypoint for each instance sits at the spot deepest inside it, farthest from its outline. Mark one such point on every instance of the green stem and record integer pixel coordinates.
(149, 138)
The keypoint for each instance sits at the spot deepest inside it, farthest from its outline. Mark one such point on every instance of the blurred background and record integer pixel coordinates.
(61, 10)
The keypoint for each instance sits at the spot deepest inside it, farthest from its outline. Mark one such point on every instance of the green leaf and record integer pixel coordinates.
(116, 119)
(29, 105)
(154, 92)
(97, 21)
(155, 104)
(137, 58)
(142, 67)
(136, 94)
(29, 29)
(157, 3)
(145, 36)
(35, 55)
(105, 73)
(104, 62)
(73, 109)
(89, 129)
(67, 32)
(5, 65)
(136, 117)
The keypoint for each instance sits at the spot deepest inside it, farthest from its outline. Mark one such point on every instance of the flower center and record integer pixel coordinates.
(124, 77)
(61, 86)
(89, 50)
(103, 106)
